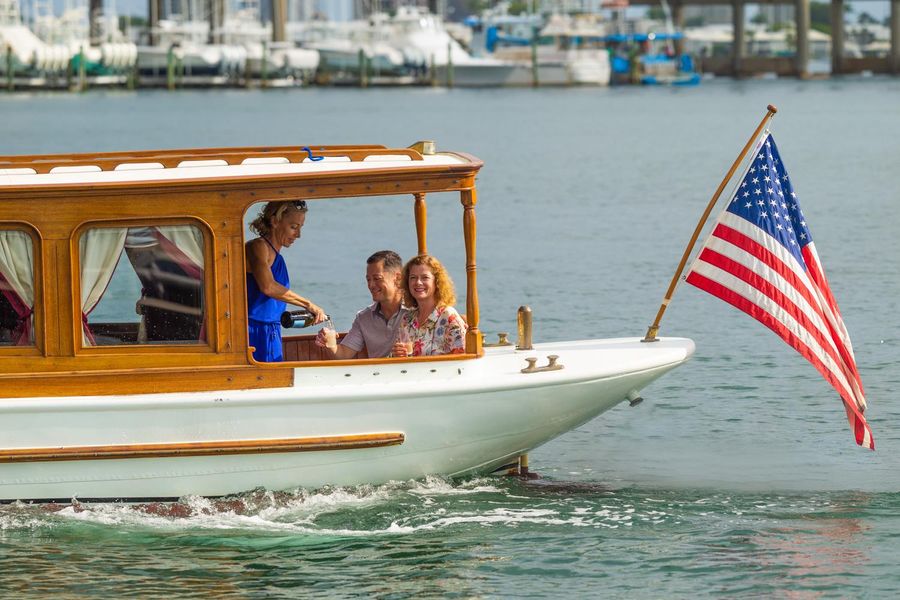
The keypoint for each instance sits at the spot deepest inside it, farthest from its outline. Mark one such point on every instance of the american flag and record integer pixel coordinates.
(761, 259)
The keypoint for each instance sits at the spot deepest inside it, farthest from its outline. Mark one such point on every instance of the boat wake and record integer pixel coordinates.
(391, 509)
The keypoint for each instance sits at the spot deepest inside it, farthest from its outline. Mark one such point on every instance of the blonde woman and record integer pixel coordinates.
(431, 325)
(268, 283)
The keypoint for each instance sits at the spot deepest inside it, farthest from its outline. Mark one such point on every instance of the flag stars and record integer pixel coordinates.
(766, 179)
(757, 191)
(748, 205)
(765, 167)
(746, 194)
(755, 180)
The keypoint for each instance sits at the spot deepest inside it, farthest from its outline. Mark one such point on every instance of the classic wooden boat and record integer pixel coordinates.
(147, 388)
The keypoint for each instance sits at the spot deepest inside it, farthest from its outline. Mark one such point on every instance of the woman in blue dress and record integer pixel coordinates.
(268, 283)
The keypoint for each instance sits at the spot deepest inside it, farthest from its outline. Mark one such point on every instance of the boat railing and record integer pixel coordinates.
(171, 159)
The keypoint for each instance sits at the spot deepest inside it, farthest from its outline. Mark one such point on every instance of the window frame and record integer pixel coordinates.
(210, 303)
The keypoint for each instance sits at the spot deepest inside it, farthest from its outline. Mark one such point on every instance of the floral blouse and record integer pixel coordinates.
(443, 332)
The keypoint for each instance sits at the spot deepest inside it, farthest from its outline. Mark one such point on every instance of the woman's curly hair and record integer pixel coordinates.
(444, 293)
(273, 212)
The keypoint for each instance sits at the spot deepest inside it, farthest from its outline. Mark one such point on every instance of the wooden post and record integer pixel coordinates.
(362, 68)
(449, 66)
(739, 41)
(837, 37)
(10, 81)
(895, 37)
(535, 80)
(264, 67)
(654, 328)
(801, 8)
(473, 335)
(170, 68)
(421, 213)
(82, 71)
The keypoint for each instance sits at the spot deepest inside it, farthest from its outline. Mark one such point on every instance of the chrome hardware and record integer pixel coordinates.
(551, 365)
(524, 328)
(502, 340)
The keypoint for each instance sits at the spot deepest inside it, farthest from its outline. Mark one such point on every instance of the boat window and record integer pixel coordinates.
(142, 285)
(16, 288)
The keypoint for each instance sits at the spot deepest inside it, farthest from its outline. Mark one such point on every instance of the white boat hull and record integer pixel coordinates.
(457, 417)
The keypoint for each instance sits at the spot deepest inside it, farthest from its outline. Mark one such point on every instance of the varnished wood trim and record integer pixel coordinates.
(221, 448)
(421, 215)
(25, 161)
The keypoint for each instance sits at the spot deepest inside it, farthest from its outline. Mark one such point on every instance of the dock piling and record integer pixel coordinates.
(449, 66)
(82, 71)
(10, 80)
(363, 71)
(170, 68)
(264, 68)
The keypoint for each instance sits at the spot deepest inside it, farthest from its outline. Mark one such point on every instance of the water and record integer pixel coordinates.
(737, 477)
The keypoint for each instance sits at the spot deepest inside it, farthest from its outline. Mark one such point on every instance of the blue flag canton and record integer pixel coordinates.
(766, 198)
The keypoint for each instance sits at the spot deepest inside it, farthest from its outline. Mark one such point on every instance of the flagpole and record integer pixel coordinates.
(653, 329)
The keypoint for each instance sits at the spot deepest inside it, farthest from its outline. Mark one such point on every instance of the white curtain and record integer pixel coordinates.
(17, 267)
(100, 251)
(187, 238)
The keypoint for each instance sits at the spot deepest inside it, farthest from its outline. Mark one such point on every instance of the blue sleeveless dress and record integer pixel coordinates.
(265, 314)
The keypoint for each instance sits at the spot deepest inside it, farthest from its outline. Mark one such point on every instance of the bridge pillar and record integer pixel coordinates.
(153, 14)
(279, 18)
(895, 37)
(837, 37)
(678, 23)
(739, 42)
(801, 8)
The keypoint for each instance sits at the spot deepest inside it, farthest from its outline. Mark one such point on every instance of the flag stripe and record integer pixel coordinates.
(773, 316)
(765, 287)
(774, 271)
(738, 301)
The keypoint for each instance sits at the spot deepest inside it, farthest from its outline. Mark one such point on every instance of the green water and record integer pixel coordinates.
(737, 477)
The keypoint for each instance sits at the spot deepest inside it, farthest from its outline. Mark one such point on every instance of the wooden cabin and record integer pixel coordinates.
(174, 219)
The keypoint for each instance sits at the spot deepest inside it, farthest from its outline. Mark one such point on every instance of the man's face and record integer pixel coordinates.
(383, 285)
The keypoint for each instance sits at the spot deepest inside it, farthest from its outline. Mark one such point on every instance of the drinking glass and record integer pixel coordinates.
(404, 338)
(330, 334)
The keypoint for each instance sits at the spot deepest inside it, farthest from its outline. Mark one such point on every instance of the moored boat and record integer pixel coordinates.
(99, 400)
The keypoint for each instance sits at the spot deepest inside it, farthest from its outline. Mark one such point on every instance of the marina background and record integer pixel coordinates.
(736, 477)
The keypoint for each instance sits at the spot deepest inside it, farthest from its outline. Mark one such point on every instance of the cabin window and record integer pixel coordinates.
(16, 288)
(142, 285)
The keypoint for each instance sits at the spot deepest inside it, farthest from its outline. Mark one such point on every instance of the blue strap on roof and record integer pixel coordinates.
(311, 157)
